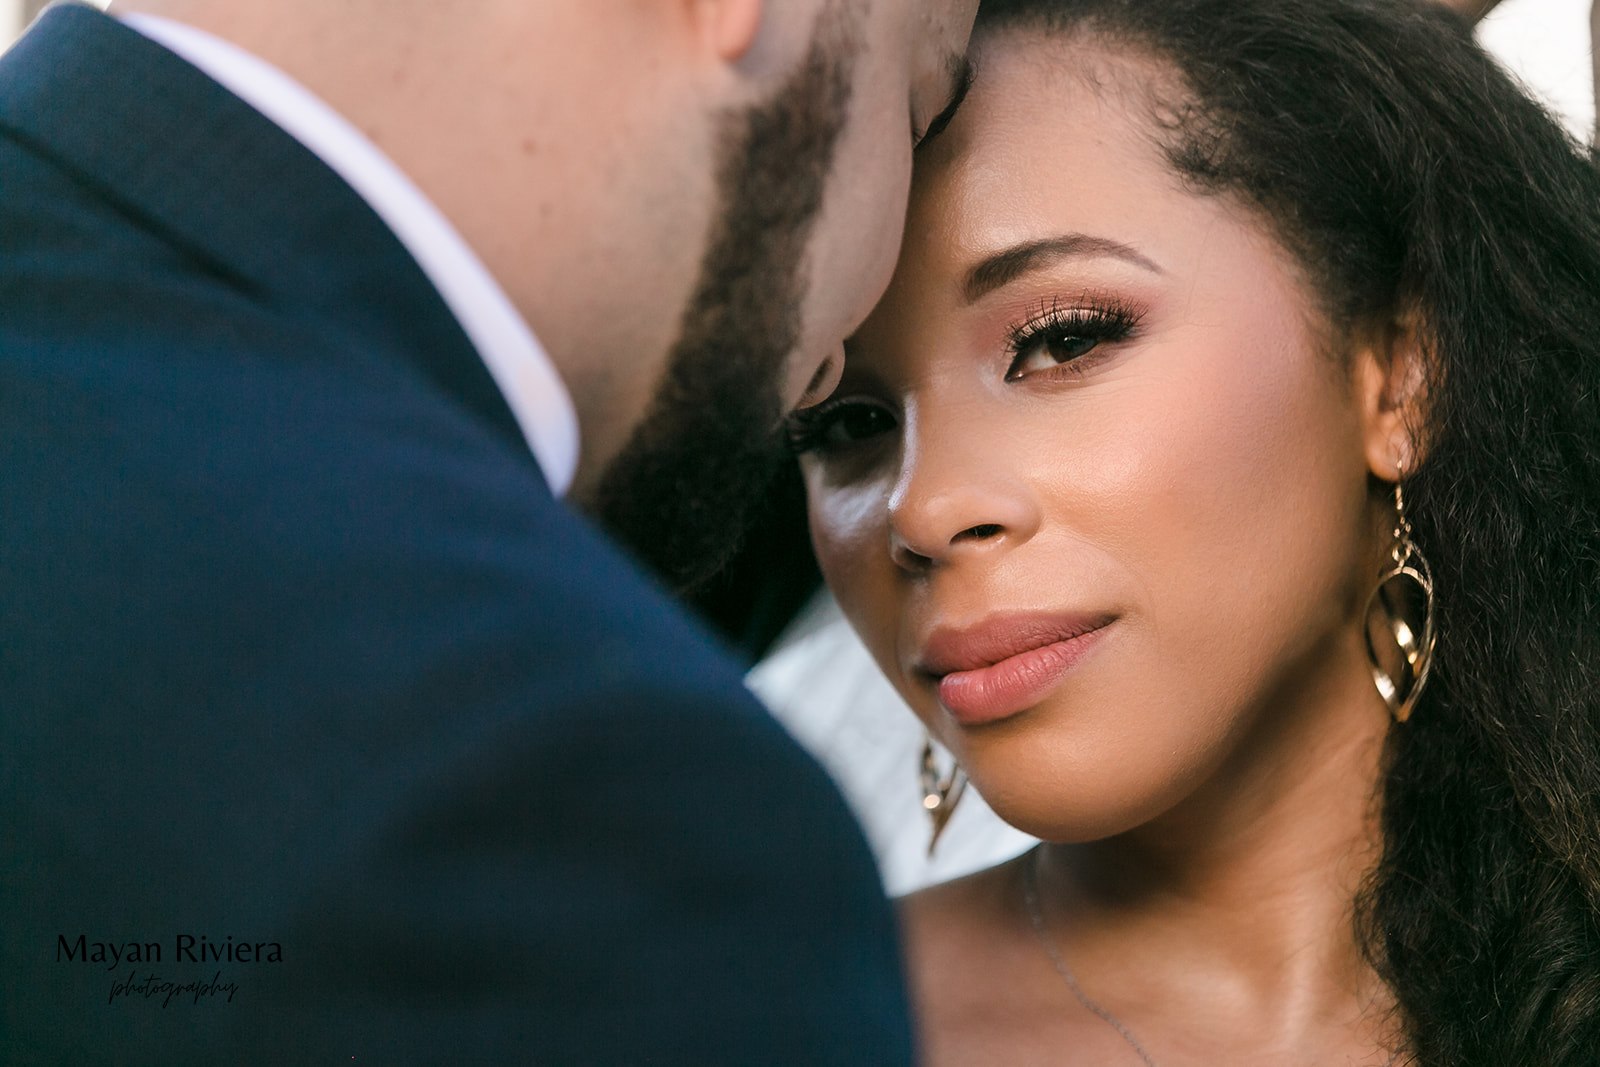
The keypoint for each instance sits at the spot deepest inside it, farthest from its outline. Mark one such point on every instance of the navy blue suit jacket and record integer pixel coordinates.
(298, 652)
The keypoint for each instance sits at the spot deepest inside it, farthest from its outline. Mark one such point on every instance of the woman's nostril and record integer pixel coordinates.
(980, 533)
(912, 561)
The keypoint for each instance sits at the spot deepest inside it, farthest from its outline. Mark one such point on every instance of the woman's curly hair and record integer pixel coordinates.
(1409, 174)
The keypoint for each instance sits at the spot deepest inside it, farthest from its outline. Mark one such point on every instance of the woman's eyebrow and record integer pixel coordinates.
(1007, 265)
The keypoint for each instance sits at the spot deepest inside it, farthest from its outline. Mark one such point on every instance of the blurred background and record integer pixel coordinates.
(1546, 43)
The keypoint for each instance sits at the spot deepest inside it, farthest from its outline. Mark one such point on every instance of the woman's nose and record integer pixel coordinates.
(953, 499)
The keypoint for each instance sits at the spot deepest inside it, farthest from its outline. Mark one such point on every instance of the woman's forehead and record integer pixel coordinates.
(1037, 152)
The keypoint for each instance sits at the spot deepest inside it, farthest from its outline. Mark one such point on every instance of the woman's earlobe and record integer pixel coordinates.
(1392, 379)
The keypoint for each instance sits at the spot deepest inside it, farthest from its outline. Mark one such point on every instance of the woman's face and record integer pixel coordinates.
(1094, 489)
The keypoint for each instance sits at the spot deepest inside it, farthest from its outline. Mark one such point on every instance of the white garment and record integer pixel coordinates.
(528, 380)
(823, 685)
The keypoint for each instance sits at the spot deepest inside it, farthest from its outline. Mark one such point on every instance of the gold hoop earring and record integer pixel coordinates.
(939, 795)
(1402, 608)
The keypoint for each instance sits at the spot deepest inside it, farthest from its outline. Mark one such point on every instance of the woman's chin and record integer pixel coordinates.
(1075, 813)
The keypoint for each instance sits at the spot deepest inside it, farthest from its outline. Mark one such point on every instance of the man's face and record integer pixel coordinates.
(813, 185)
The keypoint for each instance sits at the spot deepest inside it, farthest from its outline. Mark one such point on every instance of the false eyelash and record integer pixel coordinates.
(1092, 318)
(804, 430)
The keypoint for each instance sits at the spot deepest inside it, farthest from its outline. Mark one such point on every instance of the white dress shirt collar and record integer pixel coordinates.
(532, 387)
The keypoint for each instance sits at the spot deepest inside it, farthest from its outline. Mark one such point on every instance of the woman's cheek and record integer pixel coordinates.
(848, 527)
(849, 531)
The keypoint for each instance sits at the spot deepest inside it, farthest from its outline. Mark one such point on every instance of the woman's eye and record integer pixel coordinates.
(1052, 348)
(838, 424)
(1062, 342)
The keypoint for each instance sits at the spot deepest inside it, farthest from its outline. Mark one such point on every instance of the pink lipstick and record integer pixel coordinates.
(1007, 664)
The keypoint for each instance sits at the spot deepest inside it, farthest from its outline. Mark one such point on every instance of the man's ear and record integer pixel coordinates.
(729, 27)
(1391, 377)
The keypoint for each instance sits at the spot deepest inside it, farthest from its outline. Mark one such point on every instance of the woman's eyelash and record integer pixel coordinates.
(801, 431)
(1098, 317)
(835, 423)
(1084, 325)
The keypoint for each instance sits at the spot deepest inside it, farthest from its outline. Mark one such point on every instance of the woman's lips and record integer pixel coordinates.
(1006, 666)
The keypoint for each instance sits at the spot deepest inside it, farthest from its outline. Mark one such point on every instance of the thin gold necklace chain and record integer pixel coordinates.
(1030, 892)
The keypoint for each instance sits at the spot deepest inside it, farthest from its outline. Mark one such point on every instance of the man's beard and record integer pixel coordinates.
(680, 492)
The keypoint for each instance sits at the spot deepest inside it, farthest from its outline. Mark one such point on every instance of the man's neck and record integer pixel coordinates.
(549, 186)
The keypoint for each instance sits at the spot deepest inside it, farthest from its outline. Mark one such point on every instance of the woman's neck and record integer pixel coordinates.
(1238, 906)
